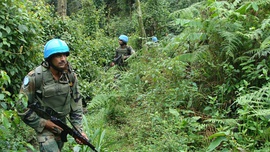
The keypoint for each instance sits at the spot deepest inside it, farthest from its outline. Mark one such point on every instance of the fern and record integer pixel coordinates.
(190, 12)
(265, 24)
(227, 122)
(255, 35)
(100, 100)
(256, 103)
(230, 43)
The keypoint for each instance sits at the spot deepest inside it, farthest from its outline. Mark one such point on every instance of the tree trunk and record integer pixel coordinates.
(62, 7)
(140, 20)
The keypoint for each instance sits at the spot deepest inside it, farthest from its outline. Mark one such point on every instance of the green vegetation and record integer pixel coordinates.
(205, 87)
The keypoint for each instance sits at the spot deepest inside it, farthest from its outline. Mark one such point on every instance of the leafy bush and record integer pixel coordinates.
(12, 130)
(20, 32)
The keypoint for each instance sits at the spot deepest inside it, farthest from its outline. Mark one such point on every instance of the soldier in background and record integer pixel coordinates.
(123, 52)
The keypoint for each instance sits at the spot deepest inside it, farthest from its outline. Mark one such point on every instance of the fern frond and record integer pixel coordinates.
(230, 122)
(242, 59)
(265, 24)
(256, 103)
(253, 52)
(230, 43)
(255, 35)
(265, 43)
(100, 100)
(202, 54)
(190, 12)
(261, 112)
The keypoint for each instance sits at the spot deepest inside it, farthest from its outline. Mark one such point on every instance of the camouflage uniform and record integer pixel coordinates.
(121, 52)
(62, 96)
(151, 44)
(128, 50)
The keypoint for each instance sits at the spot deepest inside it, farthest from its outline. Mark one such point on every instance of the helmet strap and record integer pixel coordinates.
(45, 64)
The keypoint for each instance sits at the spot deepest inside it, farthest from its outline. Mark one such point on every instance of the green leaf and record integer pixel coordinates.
(8, 29)
(216, 143)
(243, 8)
(255, 6)
(77, 148)
(217, 135)
(22, 28)
(31, 147)
(174, 112)
(252, 128)
(102, 137)
(2, 96)
(6, 123)
(3, 105)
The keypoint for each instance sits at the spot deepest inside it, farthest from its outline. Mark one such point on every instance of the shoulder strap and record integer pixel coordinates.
(129, 50)
(38, 82)
(71, 74)
(73, 84)
(38, 77)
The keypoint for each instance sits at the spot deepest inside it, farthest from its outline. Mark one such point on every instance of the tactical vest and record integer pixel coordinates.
(61, 96)
(123, 51)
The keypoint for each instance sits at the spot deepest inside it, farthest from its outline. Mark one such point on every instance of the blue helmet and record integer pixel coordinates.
(55, 46)
(123, 38)
(154, 39)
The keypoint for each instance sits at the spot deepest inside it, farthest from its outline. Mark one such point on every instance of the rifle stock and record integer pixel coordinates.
(66, 129)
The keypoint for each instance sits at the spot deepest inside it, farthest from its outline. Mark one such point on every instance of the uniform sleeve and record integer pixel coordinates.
(116, 53)
(132, 51)
(76, 107)
(26, 97)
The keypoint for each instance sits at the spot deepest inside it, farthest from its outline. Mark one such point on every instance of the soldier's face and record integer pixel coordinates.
(59, 61)
(120, 42)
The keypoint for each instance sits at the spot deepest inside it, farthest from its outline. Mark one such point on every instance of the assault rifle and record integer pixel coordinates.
(118, 60)
(46, 114)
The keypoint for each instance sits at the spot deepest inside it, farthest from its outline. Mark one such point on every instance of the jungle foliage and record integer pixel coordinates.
(203, 87)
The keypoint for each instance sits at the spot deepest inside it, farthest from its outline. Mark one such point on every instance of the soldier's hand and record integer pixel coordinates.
(80, 142)
(112, 64)
(53, 127)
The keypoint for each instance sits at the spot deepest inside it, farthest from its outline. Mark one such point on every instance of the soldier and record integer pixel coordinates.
(154, 39)
(152, 44)
(53, 85)
(123, 52)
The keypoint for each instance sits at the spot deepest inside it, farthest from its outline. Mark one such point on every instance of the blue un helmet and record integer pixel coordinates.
(154, 39)
(123, 38)
(55, 46)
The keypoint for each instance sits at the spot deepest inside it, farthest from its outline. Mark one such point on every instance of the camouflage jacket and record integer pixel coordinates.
(126, 51)
(62, 96)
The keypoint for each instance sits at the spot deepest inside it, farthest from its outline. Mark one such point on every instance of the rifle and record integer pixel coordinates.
(46, 114)
(118, 60)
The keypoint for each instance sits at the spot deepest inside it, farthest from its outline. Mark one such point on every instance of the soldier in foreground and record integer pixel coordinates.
(53, 87)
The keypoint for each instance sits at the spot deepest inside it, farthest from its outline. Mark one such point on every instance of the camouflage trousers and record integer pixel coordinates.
(49, 142)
